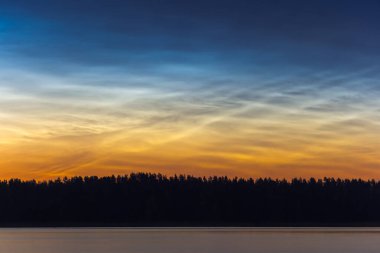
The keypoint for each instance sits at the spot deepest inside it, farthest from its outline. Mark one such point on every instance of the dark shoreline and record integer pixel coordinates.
(186, 225)
(154, 200)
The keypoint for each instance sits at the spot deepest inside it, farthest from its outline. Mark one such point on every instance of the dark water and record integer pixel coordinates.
(191, 240)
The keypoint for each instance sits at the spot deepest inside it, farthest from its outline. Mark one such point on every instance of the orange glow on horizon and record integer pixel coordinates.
(245, 150)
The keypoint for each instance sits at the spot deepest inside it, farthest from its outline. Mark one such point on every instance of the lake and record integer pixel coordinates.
(189, 240)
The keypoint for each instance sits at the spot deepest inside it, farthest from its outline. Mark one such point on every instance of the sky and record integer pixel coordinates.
(247, 88)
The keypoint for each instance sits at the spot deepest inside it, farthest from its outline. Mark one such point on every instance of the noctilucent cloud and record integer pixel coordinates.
(255, 88)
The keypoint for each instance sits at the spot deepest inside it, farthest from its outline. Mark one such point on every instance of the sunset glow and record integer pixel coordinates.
(164, 88)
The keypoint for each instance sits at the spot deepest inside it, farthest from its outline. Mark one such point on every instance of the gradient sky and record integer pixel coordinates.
(241, 88)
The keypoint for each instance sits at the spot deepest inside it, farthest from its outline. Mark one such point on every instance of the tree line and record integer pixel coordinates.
(144, 199)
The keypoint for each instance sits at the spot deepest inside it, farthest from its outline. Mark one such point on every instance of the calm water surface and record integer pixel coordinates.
(191, 240)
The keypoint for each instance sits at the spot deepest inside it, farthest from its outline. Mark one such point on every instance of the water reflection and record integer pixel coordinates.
(189, 240)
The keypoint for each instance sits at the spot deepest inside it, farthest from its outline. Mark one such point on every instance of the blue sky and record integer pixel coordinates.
(269, 79)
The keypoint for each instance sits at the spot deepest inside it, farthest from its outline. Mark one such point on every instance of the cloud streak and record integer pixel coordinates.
(245, 88)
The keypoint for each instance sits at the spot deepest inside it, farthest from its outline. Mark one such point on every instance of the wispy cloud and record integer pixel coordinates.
(252, 89)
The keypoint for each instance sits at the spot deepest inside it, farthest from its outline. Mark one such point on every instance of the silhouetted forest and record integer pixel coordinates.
(156, 200)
